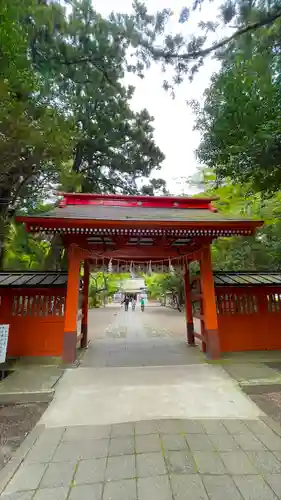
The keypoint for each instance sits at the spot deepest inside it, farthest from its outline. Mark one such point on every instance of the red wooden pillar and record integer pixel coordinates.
(188, 306)
(209, 304)
(71, 306)
(84, 326)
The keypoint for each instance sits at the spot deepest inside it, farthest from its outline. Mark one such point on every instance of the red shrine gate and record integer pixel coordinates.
(138, 230)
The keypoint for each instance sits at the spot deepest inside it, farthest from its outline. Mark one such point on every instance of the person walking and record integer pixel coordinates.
(142, 304)
(133, 303)
(126, 302)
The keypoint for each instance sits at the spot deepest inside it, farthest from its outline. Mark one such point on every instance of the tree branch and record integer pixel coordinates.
(19, 187)
(204, 52)
(90, 60)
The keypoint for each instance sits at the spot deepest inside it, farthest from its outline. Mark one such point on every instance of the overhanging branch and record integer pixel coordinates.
(204, 52)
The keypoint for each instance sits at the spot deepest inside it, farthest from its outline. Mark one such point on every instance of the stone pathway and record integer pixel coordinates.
(130, 424)
(156, 459)
(149, 373)
(156, 337)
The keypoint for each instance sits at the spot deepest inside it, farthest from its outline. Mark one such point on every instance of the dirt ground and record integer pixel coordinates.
(16, 421)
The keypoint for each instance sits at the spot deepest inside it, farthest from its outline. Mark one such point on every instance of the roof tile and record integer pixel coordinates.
(97, 212)
(246, 278)
(33, 280)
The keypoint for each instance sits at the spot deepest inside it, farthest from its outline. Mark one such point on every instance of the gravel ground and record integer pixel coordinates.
(16, 421)
(270, 403)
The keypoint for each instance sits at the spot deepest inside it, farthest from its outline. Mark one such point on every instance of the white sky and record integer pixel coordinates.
(173, 118)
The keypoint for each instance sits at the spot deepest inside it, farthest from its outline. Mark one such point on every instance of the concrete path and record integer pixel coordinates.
(141, 368)
(113, 395)
(144, 417)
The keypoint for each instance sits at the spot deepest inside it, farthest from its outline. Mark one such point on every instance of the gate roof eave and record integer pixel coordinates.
(79, 213)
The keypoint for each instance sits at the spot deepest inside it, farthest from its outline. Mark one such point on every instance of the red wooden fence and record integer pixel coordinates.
(36, 319)
(249, 318)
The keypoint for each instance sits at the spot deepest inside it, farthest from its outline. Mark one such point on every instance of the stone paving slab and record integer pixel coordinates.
(120, 490)
(254, 488)
(158, 488)
(253, 373)
(217, 486)
(118, 462)
(51, 494)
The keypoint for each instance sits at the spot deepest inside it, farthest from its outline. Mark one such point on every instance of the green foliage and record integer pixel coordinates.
(65, 116)
(83, 58)
(104, 285)
(240, 121)
(154, 284)
(240, 145)
(261, 252)
(72, 113)
(34, 138)
(159, 284)
(23, 251)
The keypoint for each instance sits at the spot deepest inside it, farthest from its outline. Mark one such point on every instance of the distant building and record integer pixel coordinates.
(117, 297)
(134, 286)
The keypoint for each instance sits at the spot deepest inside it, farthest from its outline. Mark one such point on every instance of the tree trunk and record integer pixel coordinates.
(5, 197)
(53, 260)
(2, 239)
